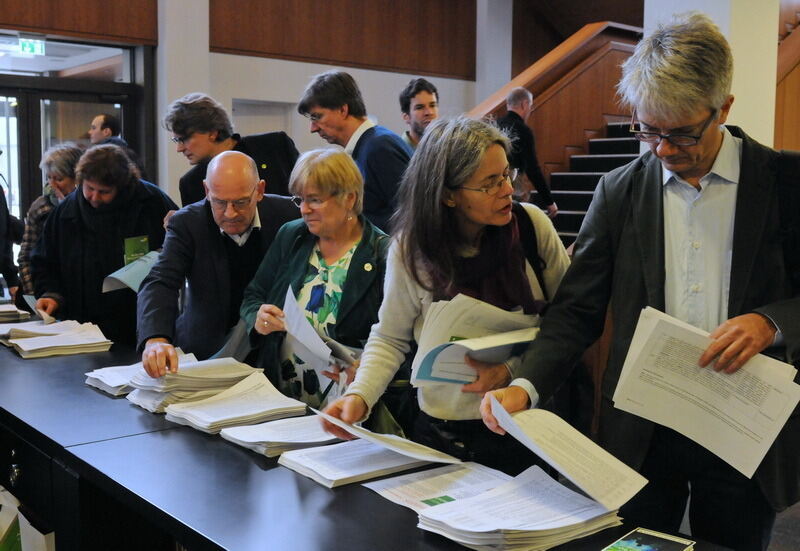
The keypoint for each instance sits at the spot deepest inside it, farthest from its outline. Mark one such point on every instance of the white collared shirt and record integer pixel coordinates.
(353, 141)
(698, 239)
(241, 239)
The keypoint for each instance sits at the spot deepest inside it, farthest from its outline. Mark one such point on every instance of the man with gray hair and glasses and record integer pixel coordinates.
(703, 226)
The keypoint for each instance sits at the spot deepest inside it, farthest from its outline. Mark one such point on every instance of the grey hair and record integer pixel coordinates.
(518, 95)
(333, 172)
(678, 68)
(450, 152)
(61, 160)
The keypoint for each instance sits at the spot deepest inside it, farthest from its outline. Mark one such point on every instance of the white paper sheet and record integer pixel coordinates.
(735, 416)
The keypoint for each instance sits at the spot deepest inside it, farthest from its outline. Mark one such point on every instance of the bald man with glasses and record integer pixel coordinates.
(215, 246)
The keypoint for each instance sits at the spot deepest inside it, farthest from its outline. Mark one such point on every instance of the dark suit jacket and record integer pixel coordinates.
(287, 264)
(619, 258)
(523, 155)
(194, 251)
(382, 157)
(273, 152)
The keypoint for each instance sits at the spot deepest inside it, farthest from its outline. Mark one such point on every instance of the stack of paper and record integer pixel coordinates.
(461, 325)
(9, 312)
(253, 400)
(86, 338)
(157, 402)
(116, 380)
(193, 381)
(37, 328)
(532, 512)
(217, 373)
(347, 462)
(736, 416)
(275, 437)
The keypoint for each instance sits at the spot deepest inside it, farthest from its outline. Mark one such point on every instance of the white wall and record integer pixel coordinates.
(751, 30)
(493, 45)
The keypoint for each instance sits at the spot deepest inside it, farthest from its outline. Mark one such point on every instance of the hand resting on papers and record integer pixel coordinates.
(512, 398)
(737, 340)
(269, 318)
(158, 357)
(349, 409)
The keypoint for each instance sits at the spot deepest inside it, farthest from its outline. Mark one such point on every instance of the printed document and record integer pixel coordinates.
(591, 468)
(736, 416)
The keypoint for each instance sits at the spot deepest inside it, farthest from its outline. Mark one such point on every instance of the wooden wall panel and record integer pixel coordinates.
(787, 112)
(128, 21)
(427, 37)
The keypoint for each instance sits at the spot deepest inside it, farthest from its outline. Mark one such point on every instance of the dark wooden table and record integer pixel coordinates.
(108, 475)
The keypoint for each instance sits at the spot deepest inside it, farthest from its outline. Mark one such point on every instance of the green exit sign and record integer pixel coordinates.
(31, 46)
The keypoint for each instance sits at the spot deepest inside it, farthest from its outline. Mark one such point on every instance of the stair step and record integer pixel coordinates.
(573, 200)
(578, 181)
(599, 163)
(568, 221)
(598, 146)
(618, 130)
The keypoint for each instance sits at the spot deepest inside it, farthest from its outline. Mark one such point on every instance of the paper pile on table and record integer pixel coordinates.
(35, 328)
(194, 380)
(115, 380)
(252, 400)
(87, 337)
(9, 312)
(532, 512)
(275, 437)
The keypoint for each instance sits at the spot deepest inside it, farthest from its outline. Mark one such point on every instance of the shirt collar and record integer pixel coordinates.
(242, 239)
(727, 165)
(353, 141)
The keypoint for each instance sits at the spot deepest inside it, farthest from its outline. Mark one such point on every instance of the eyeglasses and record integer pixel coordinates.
(675, 139)
(314, 117)
(312, 202)
(181, 139)
(237, 204)
(492, 188)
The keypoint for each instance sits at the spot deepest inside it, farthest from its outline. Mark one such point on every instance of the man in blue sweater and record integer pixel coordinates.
(333, 104)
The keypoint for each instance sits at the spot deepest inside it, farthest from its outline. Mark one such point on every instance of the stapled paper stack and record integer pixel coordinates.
(86, 338)
(252, 400)
(193, 381)
(275, 437)
(116, 380)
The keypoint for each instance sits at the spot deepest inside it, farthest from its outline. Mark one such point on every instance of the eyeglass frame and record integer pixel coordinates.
(298, 200)
(494, 189)
(670, 137)
(181, 140)
(221, 205)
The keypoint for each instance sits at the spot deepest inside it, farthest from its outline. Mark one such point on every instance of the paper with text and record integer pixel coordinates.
(736, 416)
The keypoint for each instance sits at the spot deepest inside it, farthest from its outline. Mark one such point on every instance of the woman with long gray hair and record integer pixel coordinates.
(457, 232)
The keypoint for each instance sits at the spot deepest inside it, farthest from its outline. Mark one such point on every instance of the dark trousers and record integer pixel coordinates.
(726, 508)
(472, 441)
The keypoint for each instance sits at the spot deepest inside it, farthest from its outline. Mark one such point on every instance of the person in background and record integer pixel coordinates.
(334, 262)
(7, 231)
(458, 232)
(201, 129)
(703, 226)
(85, 239)
(213, 248)
(105, 129)
(419, 104)
(333, 104)
(58, 164)
(519, 104)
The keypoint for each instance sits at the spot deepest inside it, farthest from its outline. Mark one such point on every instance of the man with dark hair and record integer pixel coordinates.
(201, 129)
(105, 128)
(519, 104)
(333, 104)
(215, 246)
(89, 235)
(419, 104)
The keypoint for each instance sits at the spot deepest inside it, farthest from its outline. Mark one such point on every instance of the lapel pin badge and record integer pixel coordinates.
(263, 165)
(368, 267)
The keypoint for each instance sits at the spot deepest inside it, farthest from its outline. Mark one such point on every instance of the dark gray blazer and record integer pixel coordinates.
(194, 252)
(619, 259)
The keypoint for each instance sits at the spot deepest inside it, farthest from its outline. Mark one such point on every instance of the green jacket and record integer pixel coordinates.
(286, 264)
